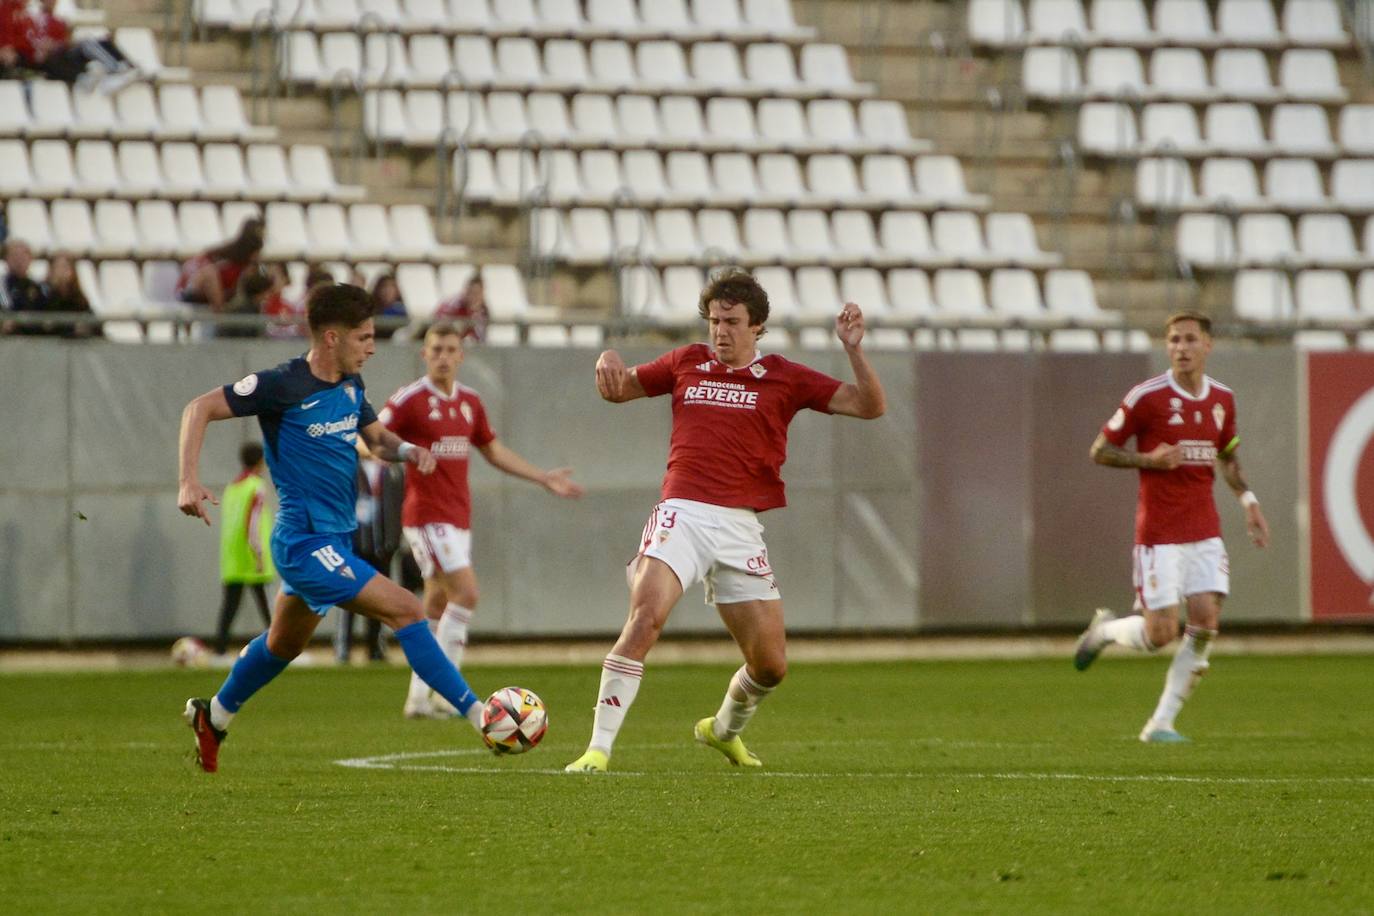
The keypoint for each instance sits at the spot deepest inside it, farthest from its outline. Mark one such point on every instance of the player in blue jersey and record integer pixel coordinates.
(312, 410)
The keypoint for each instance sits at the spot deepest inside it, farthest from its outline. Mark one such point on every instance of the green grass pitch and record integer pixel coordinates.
(918, 787)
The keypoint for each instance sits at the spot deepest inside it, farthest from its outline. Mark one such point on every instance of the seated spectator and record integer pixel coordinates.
(210, 277)
(12, 23)
(386, 303)
(20, 292)
(288, 316)
(66, 295)
(47, 46)
(250, 298)
(468, 310)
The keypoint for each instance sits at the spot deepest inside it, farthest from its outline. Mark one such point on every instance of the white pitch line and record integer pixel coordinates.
(401, 761)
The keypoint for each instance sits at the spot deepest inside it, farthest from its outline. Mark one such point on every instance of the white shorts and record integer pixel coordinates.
(722, 546)
(1165, 574)
(438, 546)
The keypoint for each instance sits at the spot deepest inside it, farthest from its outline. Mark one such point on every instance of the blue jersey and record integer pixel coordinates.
(309, 430)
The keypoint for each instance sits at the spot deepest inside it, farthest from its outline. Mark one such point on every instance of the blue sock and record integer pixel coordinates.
(251, 672)
(429, 662)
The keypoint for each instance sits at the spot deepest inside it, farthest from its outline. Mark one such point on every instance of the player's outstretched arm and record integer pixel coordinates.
(615, 382)
(387, 446)
(864, 397)
(1162, 457)
(1255, 523)
(558, 481)
(198, 414)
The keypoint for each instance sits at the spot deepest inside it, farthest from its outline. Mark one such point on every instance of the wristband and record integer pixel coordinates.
(406, 449)
(1248, 499)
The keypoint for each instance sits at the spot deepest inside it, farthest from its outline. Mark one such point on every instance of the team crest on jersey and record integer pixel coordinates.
(352, 395)
(434, 412)
(757, 371)
(466, 410)
(1219, 414)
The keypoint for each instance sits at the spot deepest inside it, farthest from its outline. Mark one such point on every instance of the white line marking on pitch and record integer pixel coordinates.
(403, 761)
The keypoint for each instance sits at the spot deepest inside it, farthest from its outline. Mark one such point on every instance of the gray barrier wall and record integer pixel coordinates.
(971, 504)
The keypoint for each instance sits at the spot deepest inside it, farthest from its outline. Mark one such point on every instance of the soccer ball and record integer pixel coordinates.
(189, 652)
(513, 720)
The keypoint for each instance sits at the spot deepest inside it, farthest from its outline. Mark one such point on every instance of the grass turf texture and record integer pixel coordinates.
(904, 787)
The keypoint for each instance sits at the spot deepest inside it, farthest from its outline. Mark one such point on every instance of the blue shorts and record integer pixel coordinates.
(321, 568)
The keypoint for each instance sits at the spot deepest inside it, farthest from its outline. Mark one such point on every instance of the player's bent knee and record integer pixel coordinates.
(769, 672)
(1161, 632)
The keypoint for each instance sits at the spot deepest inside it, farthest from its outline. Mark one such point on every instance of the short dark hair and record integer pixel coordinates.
(1202, 320)
(250, 453)
(338, 305)
(735, 284)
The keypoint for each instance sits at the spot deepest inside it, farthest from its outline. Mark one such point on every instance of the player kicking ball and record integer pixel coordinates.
(312, 409)
(731, 407)
(1184, 424)
(449, 420)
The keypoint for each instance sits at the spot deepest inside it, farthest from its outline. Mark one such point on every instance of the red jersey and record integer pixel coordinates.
(43, 33)
(729, 437)
(449, 426)
(229, 272)
(1176, 507)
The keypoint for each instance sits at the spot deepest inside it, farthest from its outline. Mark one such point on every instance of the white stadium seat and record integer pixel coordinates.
(1310, 74)
(1121, 22)
(1327, 239)
(1000, 23)
(1243, 74)
(116, 231)
(73, 230)
(1248, 22)
(51, 167)
(1180, 73)
(1234, 127)
(1263, 296)
(225, 175)
(1011, 238)
(97, 175)
(1357, 130)
(182, 175)
(1265, 239)
(1301, 129)
(1107, 129)
(1115, 73)
(1206, 239)
(1314, 22)
(1057, 21)
(1232, 182)
(1294, 184)
(15, 176)
(1185, 22)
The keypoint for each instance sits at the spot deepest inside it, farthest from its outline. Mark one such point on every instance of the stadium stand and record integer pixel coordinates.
(596, 156)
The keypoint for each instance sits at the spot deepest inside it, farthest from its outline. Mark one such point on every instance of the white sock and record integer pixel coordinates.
(419, 690)
(1187, 668)
(474, 716)
(1128, 632)
(620, 679)
(453, 632)
(219, 716)
(741, 699)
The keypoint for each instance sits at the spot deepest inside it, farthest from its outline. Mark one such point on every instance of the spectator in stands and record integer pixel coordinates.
(210, 277)
(468, 310)
(46, 45)
(20, 292)
(12, 20)
(250, 298)
(65, 293)
(386, 302)
(288, 316)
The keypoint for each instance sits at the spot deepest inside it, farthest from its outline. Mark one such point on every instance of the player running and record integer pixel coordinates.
(448, 419)
(1184, 424)
(731, 407)
(312, 410)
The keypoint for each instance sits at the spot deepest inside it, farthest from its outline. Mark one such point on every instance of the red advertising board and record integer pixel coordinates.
(1340, 411)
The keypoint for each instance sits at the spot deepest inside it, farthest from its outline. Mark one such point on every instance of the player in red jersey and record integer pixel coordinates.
(438, 413)
(731, 408)
(1184, 424)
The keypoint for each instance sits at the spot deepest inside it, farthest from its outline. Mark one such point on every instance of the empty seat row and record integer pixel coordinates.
(1109, 129)
(172, 111)
(749, 20)
(1316, 296)
(1180, 73)
(905, 296)
(138, 168)
(643, 178)
(419, 116)
(1289, 184)
(1177, 22)
(1264, 239)
(156, 229)
(796, 238)
(569, 65)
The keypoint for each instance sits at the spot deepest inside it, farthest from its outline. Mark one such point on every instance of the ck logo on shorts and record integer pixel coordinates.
(329, 558)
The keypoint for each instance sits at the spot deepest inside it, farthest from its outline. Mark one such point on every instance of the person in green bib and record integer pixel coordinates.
(245, 552)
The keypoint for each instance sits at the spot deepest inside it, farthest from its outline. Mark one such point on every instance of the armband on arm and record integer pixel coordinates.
(1248, 499)
(405, 450)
